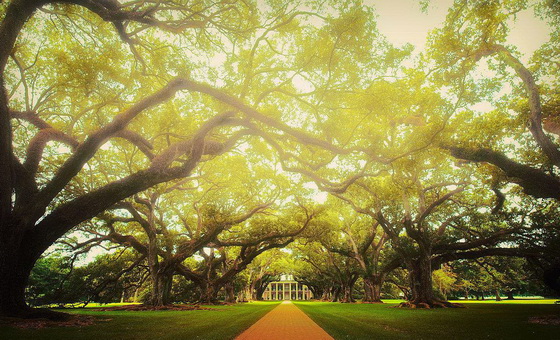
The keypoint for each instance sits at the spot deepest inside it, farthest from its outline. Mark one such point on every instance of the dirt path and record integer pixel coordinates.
(285, 322)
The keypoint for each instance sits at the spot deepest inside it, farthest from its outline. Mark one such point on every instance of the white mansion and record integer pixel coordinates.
(287, 289)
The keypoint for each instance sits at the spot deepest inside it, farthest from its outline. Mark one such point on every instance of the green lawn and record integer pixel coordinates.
(515, 302)
(478, 321)
(486, 320)
(222, 322)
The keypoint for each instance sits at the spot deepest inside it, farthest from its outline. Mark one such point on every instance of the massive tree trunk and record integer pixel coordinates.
(230, 292)
(372, 289)
(245, 295)
(551, 277)
(256, 290)
(251, 292)
(14, 268)
(317, 291)
(347, 293)
(420, 278)
(259, 290)
(347, 289)
(13, 280)
(498, 297)
(208, 293)
(335, 293)
(16, 264)
(510, 295)
(325, 296)
(161, 291)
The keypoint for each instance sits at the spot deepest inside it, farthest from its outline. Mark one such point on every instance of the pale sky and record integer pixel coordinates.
(402, 21)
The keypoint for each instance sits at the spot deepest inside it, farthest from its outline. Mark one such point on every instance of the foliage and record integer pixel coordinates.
(109, 278)
(48, 282)
(189, 138)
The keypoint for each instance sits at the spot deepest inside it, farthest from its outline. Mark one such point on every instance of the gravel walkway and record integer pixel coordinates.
(285, 322)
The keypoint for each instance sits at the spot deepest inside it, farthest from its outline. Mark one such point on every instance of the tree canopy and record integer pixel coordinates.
(196, 137)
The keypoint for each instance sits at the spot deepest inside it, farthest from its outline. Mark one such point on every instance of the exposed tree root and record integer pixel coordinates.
(545, 320)
(139, 308)
(69, 321)
(433, 304)
(217, 303)
(37, 313)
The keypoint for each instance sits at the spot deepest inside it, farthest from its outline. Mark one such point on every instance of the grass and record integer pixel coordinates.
(487, 320)
(480, 320)
(519, 301)
(222, 322)
(516, 301)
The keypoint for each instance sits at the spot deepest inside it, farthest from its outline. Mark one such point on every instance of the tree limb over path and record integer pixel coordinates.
(535, 182)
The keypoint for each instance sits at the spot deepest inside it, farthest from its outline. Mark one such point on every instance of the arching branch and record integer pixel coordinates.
(534, 182)
(89, 147)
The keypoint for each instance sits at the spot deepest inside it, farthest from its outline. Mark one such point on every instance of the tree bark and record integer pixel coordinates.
(15, 268)
(372, 289)
(420, 277)
(551, 276)
(208, 293)
(317, 291)
(162, 285)
(510, 295)
(135, 299)
(534, 182)
(347, 293)
(325, 296)
(230, 292)
(16, 15)
(245, 295)
(13, 280)
(259, 291)
(335, 293)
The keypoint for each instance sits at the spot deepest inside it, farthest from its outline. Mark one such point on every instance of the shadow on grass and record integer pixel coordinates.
(221, 322)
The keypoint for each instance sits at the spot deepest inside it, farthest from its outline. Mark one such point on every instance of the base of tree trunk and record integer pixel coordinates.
(72, 321)
(38, 313)
(429, 305)
(147, 307)
(216, 303)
